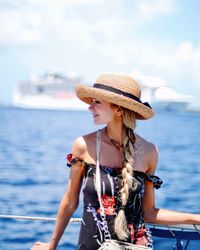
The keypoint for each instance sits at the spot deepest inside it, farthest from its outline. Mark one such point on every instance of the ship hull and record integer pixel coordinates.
(70, 102)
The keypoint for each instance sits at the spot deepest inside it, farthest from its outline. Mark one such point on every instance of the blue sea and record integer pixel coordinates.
(34, 176)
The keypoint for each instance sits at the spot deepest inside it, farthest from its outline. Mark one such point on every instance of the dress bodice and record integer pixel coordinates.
(111, 179)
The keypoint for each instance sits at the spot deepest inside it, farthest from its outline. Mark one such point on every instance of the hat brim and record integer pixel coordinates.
(87, 93)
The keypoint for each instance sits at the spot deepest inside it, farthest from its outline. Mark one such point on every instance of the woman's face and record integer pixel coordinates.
(102, 111)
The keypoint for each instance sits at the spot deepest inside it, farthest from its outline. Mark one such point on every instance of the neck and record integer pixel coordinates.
(114, 132)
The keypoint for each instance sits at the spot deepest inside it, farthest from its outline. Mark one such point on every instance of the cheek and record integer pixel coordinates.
(108, 116)
(104, 118)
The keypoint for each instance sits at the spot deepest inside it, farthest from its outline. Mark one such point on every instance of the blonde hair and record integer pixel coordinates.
(129, 123)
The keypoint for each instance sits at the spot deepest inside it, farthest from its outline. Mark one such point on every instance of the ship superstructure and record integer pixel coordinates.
(56, 91)
(51, 91)
(162, 96)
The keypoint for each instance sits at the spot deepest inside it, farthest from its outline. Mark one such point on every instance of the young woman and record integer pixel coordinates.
(127, 166)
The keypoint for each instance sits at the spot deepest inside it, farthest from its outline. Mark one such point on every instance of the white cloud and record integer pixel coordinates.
(187, 59)
(196, 65)
(83, 2)
(110, 29)
(93, 19)
(19, 27)
(150, 9)
(62, 2)
(77, 32)
(185, 51)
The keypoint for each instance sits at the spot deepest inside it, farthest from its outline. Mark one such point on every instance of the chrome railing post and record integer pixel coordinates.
(178, 245)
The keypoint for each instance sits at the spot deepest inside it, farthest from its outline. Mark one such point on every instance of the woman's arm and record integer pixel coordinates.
(161, 216)
(69, 202)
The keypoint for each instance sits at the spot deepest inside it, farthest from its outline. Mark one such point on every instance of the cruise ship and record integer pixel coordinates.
(162, 96)
(50, 91)
(56, 91)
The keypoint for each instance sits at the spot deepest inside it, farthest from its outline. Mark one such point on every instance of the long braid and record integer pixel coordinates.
(120, 225)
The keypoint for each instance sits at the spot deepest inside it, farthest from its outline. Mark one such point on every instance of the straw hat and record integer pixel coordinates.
(118, 89)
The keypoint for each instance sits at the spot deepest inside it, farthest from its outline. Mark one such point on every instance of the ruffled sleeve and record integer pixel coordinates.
(71, 160)
(157, 182)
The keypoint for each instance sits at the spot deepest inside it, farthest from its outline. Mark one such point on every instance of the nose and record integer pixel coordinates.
(91, 107)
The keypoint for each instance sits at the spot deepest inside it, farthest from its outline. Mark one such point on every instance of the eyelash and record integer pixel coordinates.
(96, 101)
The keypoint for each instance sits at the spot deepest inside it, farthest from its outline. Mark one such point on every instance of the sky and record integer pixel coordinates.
(89, 37)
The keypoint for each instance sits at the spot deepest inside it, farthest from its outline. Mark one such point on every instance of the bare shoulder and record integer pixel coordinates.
(80, 145)
(151, 152)
(90, 137)
(148, 145)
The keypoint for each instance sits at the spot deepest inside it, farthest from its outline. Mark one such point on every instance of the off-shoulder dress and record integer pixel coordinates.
(92, 229)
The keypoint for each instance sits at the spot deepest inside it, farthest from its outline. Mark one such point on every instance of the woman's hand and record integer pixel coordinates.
(41, 246)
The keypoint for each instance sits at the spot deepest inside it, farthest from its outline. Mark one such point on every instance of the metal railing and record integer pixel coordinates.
(178, 232)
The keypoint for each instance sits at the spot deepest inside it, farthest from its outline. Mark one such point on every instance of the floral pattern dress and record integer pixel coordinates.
(92, 229)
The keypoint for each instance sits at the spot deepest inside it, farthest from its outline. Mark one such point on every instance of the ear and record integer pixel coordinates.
(118, 112)
(117, 109)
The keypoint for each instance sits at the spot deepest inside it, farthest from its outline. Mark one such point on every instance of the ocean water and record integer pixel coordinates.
(34, 176)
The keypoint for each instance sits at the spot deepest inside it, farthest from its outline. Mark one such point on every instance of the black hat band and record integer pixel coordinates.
(120, 92)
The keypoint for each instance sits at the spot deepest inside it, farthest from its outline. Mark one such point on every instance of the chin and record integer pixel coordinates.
(96, 122)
